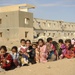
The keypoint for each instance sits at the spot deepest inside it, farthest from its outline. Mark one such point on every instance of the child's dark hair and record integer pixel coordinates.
(34, 43)
(22, 40)
(60, 41)
(55, 44)
(41, 40)
(49, 39)
(71, 46)
(15, 47)
(28, 41)
(3, 47)
(68, 41)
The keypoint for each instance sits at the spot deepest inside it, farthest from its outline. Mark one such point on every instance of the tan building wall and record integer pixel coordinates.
(26, 33)
(14, 26)
(54, 29)
(25, 19)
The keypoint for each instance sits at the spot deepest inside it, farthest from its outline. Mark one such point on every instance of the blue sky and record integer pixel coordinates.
(48, 9)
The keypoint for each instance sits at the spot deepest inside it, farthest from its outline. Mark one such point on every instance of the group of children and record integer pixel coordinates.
(37, 52)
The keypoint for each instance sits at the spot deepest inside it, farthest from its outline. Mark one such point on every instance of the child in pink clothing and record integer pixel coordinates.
(43, 54)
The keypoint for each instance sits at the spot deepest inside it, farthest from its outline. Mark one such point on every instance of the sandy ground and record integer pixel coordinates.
(60, 67)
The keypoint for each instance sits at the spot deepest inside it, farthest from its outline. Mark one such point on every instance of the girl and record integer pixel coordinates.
(15, 56)
(33, 53)
(70, 52)
(55, 52)
(29, 51)
(43, 54)
(62, 49)
(23, 53)
(5, 58)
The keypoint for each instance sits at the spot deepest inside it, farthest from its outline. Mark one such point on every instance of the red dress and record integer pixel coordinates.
(69, 54)
(6, 61)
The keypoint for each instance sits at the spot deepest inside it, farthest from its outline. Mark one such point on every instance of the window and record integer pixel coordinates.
(69, 25)
(7, 29)
(44, 23)
(65, 25)
(0, 21)
(6, 15)
(68, 34)
(38, 34)
(59, 21)
(0, 34)
(54, 23)
(58, 34)
(39, 23)
(26, 33)
(33, 21)
(48, 24)
(49, 34)
(53, 34)
(71, 34)
(26, 20)
(64, 34)
(44, 34)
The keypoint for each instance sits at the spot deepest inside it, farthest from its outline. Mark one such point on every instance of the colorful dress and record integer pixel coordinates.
(43, 54)
(15, 57)
(63, 50)
(23, 55)
(51, 50)
(69, 54)
(6, 61)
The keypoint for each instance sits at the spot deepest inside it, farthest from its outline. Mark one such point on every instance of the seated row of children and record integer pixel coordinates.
(21, 56)
(36, 52)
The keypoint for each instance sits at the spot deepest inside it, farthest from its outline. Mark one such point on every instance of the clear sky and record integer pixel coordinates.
(48, 9)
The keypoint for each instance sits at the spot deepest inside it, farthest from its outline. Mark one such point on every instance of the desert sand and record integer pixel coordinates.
(60, 67)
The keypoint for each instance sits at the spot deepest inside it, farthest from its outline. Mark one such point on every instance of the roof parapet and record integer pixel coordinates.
(18, 7)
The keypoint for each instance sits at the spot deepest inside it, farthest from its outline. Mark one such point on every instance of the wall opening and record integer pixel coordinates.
(0, 34)
(53, 34)
(26, 34)
(26, 21)
(0, 21)
(48, 24)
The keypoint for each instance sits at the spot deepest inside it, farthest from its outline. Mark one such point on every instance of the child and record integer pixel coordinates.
(15, 56)
(37, 57)
(34, 46)
(62, 49)
(43, 53)
(5, 59)
(70, 52)
(29, 50)
(51, 49)
(23, 53)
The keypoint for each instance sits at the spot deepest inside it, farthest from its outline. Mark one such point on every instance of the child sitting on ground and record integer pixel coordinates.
(34, 46)
(70, 52)
(5, 59)
(15, 56)
(23, 53)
